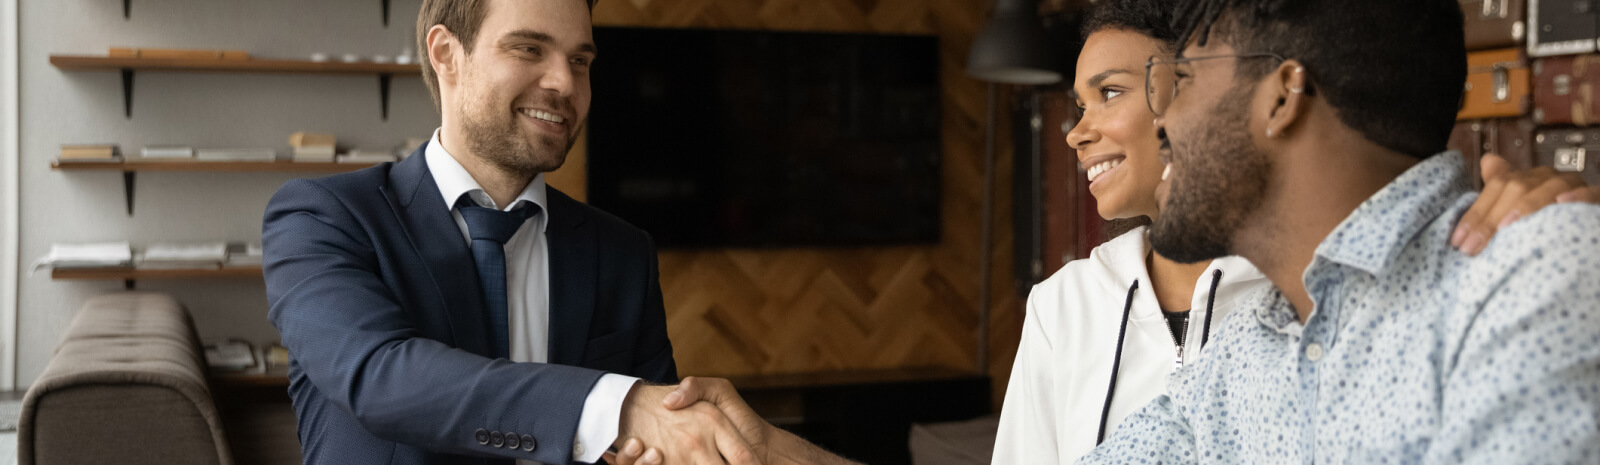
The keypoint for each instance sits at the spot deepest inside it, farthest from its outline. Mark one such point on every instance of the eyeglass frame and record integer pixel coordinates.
(1149, 66)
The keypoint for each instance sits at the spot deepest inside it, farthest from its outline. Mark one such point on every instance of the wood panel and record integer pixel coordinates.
(754, 312)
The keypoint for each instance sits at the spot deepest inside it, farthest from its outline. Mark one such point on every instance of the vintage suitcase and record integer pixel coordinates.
(1494, 23)
(1571, 151)
(1509, 138)
(1498, 84)
(1564, 89)
(1562, 27)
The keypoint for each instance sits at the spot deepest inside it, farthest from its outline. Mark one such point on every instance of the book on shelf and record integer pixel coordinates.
(368, 156)
(89, 152)
(309, 139)
(246, 154)
(166, 152)
(233, 355)
(87, 255)
(176, 256)
(314, 153)
(243, 255)
(177, 53)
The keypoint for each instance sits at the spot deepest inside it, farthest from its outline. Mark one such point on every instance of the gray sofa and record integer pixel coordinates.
(127, 385)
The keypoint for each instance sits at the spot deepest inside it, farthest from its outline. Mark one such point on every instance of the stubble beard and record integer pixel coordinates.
(494, 135)
(1223, 185)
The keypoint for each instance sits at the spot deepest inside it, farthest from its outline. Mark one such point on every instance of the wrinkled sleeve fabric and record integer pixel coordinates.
(353, 341)
(1156, 433)
(1524, 383)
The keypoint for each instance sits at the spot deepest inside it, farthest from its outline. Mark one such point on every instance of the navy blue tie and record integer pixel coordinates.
(490, 229)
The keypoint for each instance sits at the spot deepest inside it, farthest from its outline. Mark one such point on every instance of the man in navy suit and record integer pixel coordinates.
(453, 309)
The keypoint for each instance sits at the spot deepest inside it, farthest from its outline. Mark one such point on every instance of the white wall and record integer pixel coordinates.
(8, 194)
(192, 109)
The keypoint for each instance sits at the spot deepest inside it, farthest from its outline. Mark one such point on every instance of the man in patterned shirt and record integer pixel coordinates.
(1304, 136)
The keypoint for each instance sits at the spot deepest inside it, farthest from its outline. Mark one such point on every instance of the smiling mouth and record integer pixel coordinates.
(1103, 167)
(542, 115)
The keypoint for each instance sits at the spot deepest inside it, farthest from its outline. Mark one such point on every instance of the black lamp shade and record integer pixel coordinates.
(1013, 48)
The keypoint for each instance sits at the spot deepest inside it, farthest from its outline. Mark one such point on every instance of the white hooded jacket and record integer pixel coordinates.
(1058, 390)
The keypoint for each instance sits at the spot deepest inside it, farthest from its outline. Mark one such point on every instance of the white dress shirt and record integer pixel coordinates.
(528, 296)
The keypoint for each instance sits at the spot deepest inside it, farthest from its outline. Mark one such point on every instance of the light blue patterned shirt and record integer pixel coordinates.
(1415, 353)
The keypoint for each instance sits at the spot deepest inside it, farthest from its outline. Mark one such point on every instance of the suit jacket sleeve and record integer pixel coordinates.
(353, 340)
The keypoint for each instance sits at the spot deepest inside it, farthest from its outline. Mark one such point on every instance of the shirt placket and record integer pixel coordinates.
(1314, 344)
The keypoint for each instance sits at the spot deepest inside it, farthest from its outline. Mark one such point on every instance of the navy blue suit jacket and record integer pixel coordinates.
(374, 292)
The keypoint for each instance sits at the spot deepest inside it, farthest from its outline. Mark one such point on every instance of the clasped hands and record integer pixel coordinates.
(704, 421)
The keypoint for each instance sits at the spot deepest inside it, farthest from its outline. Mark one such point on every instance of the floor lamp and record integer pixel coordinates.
(1011, 49)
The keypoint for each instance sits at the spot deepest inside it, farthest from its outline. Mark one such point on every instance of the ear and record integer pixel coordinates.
(443, 52)
(1291, 85)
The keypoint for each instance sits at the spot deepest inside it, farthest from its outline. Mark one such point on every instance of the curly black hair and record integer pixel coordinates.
(1151, 18)
(1392, 68)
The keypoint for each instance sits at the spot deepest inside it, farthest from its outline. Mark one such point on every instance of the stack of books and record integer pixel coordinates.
(255, 155)
(243, 255)
(373, 156)
(206, 255)
(90, 255)
(166, 152)
(315, 148)
(92, 153)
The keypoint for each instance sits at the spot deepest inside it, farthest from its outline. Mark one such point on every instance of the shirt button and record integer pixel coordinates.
(1314, 351)
(577, 449)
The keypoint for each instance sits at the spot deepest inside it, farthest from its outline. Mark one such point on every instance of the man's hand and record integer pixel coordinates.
(1508, 196)
(772, 445)
(698, 434)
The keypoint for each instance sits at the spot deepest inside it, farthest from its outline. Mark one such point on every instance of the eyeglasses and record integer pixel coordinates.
(1161, 74)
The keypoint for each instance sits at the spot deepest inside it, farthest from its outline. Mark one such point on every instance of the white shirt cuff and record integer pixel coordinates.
(602, 413)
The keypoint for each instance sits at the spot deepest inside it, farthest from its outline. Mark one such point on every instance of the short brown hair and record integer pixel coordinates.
(460, 17)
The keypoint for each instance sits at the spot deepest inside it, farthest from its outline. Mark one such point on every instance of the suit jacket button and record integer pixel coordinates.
(497, 439)
(482, 435)
(512, 441)
(527, 443)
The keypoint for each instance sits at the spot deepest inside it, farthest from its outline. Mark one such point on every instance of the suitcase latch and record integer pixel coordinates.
(1563, 84)
(1494, 9)
(1502, 83)
(1570, 159)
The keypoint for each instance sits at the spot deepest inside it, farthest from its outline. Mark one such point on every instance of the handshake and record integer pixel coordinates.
(704, 421)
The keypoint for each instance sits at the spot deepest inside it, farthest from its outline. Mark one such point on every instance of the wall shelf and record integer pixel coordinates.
(128, 66)
(127, 11)
(130, 275)
(129, 168)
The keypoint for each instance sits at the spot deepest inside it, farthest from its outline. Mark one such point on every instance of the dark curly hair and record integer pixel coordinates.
(1392, 68)
(1151, 18)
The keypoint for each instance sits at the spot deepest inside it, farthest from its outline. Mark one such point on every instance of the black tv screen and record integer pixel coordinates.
(721, 138)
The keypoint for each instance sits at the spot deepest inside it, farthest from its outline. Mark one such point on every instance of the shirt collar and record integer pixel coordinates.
(1374, 235)
(454, 181)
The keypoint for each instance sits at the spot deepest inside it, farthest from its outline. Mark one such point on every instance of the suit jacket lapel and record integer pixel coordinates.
(573, 256)
(433, 233)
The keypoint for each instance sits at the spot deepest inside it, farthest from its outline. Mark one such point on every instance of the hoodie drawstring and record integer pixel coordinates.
(1211, 303)
(1116, 363)
(1127, 309)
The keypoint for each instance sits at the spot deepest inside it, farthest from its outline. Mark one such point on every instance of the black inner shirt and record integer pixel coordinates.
(1175, 323)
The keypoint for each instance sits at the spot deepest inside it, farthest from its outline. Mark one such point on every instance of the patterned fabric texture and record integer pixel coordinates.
(1415, 353)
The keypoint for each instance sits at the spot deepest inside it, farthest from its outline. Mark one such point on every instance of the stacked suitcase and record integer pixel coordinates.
(1536, 104)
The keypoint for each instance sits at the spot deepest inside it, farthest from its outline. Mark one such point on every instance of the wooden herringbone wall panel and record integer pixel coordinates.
(742, 312)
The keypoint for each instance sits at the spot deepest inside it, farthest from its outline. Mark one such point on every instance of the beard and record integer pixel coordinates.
(1222, 185)
(494, 134)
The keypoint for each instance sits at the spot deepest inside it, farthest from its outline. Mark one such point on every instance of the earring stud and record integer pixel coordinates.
(1269, 133)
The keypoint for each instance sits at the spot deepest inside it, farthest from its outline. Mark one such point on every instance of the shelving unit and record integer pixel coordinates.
(130, 275)
(127, 11)
(129, 168)
(128, 66)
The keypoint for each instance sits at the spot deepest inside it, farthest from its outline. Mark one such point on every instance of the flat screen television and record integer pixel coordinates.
(724, 138)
